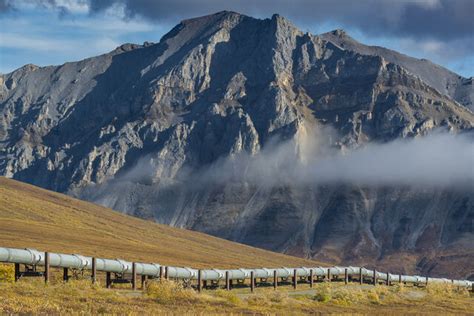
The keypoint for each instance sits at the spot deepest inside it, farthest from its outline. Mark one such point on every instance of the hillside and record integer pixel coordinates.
(34, 217)
(37, 218)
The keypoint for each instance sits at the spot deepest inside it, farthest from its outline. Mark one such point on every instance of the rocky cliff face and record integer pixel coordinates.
(139, 128)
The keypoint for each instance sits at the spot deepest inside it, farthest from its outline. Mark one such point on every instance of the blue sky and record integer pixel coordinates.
(51, 32)
(43, 37)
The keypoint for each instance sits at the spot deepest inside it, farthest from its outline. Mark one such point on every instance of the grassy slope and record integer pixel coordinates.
(49, 221)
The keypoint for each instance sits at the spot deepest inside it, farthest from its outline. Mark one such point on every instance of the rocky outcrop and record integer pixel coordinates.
(138, 128)
(445, 81)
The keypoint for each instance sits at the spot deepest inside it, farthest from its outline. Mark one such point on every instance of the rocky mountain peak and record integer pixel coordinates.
(129, 46)
(339, 33)
(214, 18)
(210, 23)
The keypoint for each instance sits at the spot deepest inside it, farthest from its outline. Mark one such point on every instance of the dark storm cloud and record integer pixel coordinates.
(452, 18)
(439, 19)
(5, 6)
(426, 19)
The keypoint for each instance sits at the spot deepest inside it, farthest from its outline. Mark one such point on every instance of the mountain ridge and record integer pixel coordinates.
(337, 36)
(409, 63)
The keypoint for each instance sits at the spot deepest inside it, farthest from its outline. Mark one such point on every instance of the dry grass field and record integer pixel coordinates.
(48, 221)
(168, 297)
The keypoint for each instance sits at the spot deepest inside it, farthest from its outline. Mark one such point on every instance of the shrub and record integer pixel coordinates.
(438, 290)
(258, 300)
(7, 273)
(324, 294)
(169, 292)
(373, 297)
(346, 296)
(383, 292)
(229, 296)
(399, 288)
(277, 296)
(322, 297)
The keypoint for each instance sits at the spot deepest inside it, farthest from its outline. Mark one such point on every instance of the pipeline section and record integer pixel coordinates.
(75, 261)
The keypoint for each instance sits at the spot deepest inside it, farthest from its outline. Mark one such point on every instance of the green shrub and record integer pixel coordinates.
(324, 293)
(322, 297)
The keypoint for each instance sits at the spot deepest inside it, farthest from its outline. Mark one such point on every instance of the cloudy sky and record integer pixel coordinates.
(46, 32)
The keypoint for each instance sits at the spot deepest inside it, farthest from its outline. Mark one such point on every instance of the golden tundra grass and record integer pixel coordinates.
(32, 296)
(48, 221)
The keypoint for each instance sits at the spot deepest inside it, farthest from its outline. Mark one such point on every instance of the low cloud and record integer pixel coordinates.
(43, 44)
(436, 50)
(437, 160)
(63, 7)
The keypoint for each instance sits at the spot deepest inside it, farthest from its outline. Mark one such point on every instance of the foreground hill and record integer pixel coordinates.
(164, 131)
(37, 218)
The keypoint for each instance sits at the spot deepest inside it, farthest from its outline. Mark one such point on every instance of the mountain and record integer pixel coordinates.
(45, 220)
(208, 130)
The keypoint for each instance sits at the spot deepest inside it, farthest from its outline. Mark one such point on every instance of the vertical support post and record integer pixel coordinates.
(161, 273)
(400, 278)
(134, 276)
(143, 282)
(17, 272)
(295, 278)
(375, 277)
(346, 276)
(275, 279)
(252, 281)
(227, 281)
(166, 273)
(388, 279)
(199, 280)
(426, 281)
(311, 278)
(329, 275)
(65, 274)
(361, 277)
(46, 267)
(108, 280)
(94, 270)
